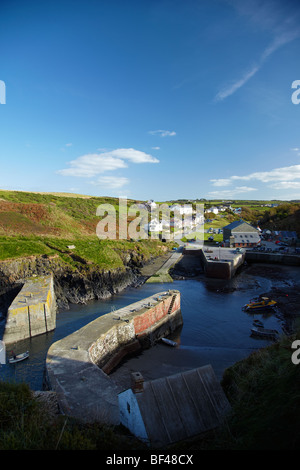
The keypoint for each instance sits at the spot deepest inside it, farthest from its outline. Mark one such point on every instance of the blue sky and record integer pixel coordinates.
(151, 99)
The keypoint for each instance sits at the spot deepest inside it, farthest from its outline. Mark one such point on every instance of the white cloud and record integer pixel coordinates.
(277, 174)
(155, 148)
(286, 185)
(135, 156)
(297, 150)
(163, 133)
(221, 182)
(228, 193)
(93, 164)
(69, 145)
(288, 173)
(111, 181)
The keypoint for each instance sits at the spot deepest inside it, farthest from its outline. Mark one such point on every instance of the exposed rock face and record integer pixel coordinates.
(72, 285)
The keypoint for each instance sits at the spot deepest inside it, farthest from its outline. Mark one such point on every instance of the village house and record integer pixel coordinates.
(154, 226)
(241, 234)
(185, 209)
(212, 209)
(286, 236)
(151, 204)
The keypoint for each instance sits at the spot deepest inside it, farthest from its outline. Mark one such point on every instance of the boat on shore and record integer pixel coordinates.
(169, 342)
(264, 332)
(18, 357)
(264, 304)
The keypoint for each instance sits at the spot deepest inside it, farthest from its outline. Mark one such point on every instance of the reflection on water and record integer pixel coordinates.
(215, 329)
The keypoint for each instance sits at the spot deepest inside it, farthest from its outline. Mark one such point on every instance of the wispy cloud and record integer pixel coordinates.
(221, 182)
(286, 185)
(288, 173)
(278, 178)
(229, 193)
(66, 146)
(272, 17)
(163, 133)
(114, 182)
(230, 89)
(297, 150)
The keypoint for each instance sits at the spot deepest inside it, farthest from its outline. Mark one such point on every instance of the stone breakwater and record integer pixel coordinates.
(33, 311)
(77, 366)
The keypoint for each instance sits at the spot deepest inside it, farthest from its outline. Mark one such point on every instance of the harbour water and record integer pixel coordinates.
(215, 329)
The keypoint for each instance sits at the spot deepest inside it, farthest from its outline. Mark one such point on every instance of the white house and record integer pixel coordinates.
(185, 209)
(154, 226)
(212, 209)
(151, 204)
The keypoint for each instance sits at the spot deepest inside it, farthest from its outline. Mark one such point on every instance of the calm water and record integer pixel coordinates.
(215, 329)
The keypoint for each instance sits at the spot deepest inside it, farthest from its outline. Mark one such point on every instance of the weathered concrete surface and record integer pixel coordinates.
(33, 311)
(76, 365)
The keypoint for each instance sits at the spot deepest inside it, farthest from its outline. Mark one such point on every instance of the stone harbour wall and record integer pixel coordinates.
(77, 366)
(33, 311)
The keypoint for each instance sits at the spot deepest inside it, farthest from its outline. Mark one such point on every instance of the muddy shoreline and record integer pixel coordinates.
(285, 289)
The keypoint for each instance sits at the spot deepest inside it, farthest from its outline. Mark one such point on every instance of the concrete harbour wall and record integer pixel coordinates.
(276, 258)
(77, 366)
(33, 311)
(220, 268)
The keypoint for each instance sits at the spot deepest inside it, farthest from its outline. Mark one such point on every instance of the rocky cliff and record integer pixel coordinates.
(78, 284)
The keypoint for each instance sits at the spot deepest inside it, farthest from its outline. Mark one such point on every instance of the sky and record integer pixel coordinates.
(152, 99)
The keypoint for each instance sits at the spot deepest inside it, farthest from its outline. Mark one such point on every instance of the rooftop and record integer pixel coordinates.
(182, 405)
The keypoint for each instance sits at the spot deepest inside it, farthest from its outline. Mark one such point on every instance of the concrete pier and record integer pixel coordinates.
(33, 311)
(217, 262)
(77, 366)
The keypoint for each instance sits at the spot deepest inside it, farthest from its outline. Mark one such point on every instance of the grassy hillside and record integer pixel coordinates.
(46, 224)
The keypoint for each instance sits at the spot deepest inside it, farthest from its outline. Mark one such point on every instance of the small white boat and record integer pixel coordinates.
(169, 342)
(18, 357)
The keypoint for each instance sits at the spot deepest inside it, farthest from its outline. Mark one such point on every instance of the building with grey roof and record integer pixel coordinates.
(241, 234)
(174, 408)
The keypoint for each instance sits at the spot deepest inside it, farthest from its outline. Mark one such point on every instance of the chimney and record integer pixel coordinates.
(137, 382)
